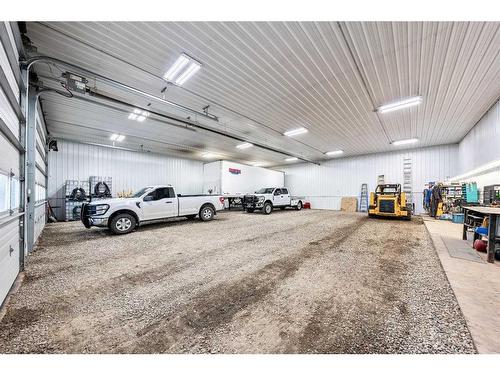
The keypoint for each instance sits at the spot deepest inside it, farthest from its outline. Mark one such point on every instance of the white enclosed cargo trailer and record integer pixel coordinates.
(234, 180)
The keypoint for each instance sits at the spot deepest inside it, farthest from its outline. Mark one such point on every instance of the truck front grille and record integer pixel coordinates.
(250, 199)
(386, 206)
(89, 210)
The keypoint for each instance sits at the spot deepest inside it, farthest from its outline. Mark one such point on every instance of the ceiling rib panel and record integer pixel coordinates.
(263, 78)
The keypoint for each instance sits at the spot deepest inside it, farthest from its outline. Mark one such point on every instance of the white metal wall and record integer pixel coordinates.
(9, 169)
(326, 184)
(129, 170)
(482, 144)
(479, 151)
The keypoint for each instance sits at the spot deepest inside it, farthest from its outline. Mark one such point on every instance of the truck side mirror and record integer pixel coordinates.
(148, 198)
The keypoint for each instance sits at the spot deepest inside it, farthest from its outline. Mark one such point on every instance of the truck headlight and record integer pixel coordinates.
(261, 199)
(98, 209)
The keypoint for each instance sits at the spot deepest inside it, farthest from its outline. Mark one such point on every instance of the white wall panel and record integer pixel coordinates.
(479, 151)
(129, 170)
(326, 184)
(482, 144)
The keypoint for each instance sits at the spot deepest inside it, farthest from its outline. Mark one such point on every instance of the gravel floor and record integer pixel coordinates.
(291, 282)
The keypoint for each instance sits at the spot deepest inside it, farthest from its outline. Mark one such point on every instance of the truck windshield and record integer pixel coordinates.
(141, 192)
(265, 191)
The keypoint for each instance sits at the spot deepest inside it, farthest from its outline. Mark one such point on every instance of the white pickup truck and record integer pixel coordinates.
(149, 205)
(266, 199)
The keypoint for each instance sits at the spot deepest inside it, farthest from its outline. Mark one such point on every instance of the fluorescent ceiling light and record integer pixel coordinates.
(405, 103)
(244, 145)
(117, 137)
(291, 159)
(208, 155)
(258, 164)
(333, 153)
(179, 64)
(193, 68)
(294, 132)
(138, 115)
(405, 141)
(183, 69)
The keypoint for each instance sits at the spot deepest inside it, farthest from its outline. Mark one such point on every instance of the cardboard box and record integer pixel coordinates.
(349, 204)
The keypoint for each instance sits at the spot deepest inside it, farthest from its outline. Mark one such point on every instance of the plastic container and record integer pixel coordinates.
(458, 218)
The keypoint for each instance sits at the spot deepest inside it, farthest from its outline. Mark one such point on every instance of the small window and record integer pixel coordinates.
(171, 193)
(162, 193)
(277, 192)
(284, 191)
(153, 194)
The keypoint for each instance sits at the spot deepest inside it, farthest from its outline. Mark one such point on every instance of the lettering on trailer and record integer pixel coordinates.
(234, 171)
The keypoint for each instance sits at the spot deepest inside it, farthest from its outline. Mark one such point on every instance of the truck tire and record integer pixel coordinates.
(122, 223)
(268, 208)
(299, 206)
(250, 210)
(206, 213)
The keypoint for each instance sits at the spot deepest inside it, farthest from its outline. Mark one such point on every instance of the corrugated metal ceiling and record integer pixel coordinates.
(262, 79)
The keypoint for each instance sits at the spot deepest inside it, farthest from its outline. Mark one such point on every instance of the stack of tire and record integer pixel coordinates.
(76, 193)
(100, 187)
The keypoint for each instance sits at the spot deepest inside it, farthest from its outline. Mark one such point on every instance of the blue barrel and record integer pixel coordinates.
(458, 218)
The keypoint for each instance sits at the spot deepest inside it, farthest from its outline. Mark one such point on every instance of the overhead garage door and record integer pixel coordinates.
(40, 175)
(11, 247)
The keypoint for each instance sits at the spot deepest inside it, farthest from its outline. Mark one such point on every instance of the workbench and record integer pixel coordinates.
(473, 215)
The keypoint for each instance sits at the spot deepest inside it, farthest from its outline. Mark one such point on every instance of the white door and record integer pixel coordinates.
(278, 198)
(285, 197)
(160, 203)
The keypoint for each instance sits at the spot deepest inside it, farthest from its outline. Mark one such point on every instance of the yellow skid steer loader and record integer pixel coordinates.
(389, 201)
